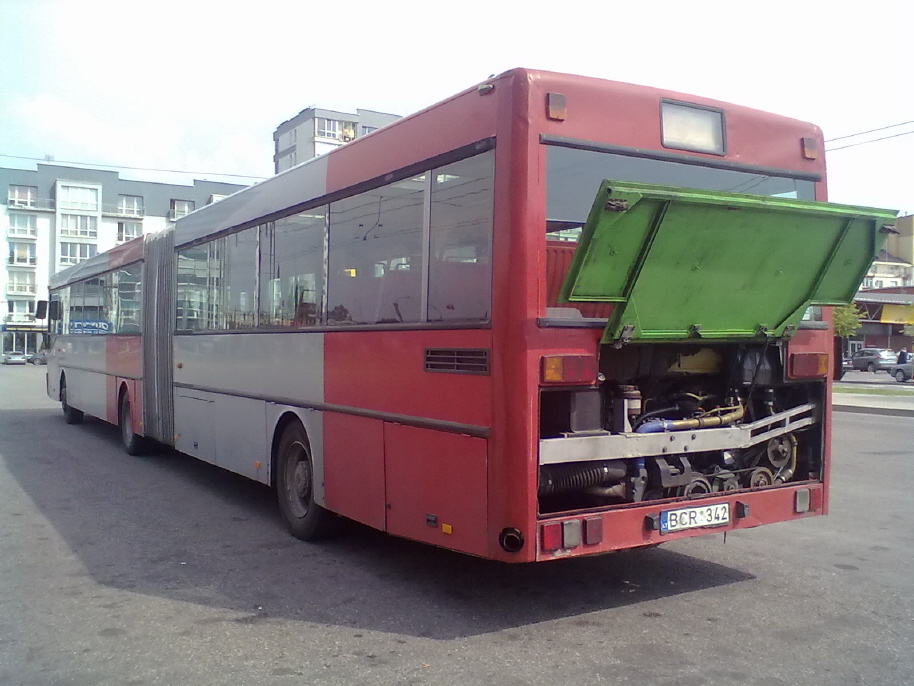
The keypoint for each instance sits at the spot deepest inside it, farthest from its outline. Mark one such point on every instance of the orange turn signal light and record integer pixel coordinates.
(807, 365)
(568, 369)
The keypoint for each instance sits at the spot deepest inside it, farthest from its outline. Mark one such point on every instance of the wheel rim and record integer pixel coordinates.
(899, 376)
(298, 480)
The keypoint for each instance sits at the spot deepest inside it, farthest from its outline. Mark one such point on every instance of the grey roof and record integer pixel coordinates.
(157, 197)
(885, 256)
(884, 298)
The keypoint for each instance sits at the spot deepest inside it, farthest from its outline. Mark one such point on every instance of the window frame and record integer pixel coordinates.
(428, 167)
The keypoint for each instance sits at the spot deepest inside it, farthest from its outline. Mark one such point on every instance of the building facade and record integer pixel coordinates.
(57, 216)
(314, 131)
(894, 265)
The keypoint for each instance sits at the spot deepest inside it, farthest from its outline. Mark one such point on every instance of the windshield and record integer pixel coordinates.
(573, 177)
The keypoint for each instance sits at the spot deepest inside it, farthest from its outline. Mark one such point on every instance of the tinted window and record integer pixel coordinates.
(375, 266)
(292, 270)
(460, 268)
(573, 178)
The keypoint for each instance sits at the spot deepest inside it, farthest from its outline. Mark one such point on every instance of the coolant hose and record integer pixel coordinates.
(661, 425)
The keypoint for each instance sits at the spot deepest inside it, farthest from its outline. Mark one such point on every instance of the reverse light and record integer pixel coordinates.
(568, 369)
(692, 127)
(807, 365)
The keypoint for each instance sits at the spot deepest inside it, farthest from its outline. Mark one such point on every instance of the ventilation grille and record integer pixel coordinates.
(457, 360)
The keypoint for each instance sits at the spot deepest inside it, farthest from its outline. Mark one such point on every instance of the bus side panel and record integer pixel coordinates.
(354, 467)
(436, 487)
(241, 439)
(385, 371)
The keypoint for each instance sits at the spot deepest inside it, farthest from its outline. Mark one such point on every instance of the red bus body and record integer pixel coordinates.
(452, 459)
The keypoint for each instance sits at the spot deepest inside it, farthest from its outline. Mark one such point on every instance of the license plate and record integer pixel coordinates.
(695, 517)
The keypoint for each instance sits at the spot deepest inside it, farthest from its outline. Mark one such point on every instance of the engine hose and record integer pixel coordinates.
(661, 425)
(786, 472)
(567, 478)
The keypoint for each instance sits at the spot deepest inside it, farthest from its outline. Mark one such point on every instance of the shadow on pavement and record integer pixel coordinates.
(170, 526)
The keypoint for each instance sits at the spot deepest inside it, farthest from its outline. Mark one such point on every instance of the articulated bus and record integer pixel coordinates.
(550, 316)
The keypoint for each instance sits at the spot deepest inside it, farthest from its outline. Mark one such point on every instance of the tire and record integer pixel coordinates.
(70, 414)
(305, 519)
(133, 444)
(900, 377)
(871, 367)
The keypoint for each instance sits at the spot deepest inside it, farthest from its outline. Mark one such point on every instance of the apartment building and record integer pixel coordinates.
(56, 216)
(314, 131)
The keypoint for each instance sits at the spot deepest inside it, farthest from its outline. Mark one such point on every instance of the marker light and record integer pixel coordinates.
(807, 365)
(810, 148)
(691, 127)
(555, 106)
(568, 369)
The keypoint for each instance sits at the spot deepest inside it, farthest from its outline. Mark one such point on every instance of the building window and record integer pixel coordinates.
(868, 282)
(878, 283)
(23, 225)
(21, 307)
(73, 253)
(368, 129)
(180, 208)
(328, 128)
(21, 282)
(79, 226)
(78, 198)
(127, 231)
(22, 254)
(130, 205)
(23, 196)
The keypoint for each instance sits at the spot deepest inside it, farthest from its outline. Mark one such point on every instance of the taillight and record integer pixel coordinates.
(807, 365)
(568, 369)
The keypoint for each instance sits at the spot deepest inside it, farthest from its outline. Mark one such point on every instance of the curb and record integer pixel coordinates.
(860, 409)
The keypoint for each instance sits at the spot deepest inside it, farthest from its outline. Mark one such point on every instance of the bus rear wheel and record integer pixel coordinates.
(304, 518)
(70, 414)
(133, 444)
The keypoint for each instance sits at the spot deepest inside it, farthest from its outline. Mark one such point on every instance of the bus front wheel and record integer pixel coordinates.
(70, 414)
(304, 518)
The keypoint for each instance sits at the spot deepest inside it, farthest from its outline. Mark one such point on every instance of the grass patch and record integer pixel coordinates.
(904, 392)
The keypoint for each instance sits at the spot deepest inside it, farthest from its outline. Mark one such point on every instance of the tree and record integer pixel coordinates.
(847, 319)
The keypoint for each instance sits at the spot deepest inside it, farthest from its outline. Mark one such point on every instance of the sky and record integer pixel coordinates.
(199, 86)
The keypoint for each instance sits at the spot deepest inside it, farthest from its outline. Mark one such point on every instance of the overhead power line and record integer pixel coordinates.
(872, 140)
(119, 166)
(863, 133)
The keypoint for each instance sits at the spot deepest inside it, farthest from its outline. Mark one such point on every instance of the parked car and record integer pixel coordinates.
(39, 358)
(874, 359)
(14, 357)
(902, 372)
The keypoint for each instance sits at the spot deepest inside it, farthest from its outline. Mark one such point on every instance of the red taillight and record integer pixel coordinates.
(807, 365)
(568, 369)
(552, 536)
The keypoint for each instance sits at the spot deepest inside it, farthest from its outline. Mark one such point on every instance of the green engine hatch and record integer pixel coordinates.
(683, 264)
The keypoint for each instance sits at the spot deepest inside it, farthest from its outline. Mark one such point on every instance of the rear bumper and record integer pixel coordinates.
(634, 526)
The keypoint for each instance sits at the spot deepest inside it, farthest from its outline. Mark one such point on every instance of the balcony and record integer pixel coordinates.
(121, 211)
(21, 288)
(46, 204)
(15, 262)
(19, 318)
(17, 232)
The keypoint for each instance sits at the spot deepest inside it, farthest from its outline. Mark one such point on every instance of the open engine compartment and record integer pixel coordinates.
(671, 421)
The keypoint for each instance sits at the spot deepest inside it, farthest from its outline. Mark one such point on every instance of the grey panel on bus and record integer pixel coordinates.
(158, 323)
(288, 189)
